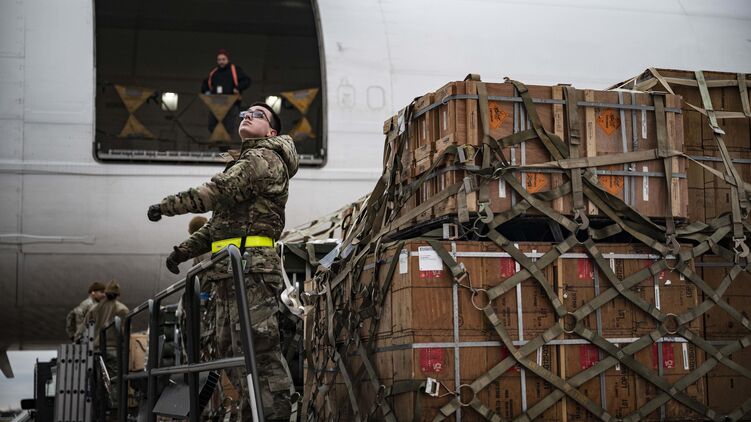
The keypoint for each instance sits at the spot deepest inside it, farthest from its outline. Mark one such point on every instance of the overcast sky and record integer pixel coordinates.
(22, 386)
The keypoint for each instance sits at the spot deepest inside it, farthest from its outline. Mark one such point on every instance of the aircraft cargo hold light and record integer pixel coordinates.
(274, 102)
(169, 101)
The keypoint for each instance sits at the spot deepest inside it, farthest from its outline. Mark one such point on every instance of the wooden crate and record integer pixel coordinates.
(708, 200)
(710, 194)
(724, 93)
(415, 336)
(604, 131)
(610, 123)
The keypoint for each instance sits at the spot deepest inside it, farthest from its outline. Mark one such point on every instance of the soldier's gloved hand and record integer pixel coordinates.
(155, 212)
(176, 257)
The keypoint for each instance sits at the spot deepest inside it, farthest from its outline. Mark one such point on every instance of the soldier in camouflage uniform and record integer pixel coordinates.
(74, 320)
(248, 200)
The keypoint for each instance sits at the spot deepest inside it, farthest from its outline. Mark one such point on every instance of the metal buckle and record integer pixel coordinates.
(291, 300)
(675, 247)
(469, 184)
(450, 231)
(741, 248)
(462, 276)
(476, 293)
(431, 387)
(459, 395)
(486, 214)
(581, 219)
(461, 154)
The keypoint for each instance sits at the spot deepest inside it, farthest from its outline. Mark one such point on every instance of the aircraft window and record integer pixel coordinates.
(152, 59)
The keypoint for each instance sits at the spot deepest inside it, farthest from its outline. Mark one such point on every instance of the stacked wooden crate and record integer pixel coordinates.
(636, 309)
(432, 328)
(609, 122)
(728, 93)
(728, 97)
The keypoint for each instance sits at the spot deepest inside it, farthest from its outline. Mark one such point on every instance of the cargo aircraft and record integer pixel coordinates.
(101, 113)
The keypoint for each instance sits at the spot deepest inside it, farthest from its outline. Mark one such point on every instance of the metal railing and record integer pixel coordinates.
(191, 304)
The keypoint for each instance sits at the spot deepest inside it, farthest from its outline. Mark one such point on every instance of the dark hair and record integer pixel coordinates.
(112, 296)
(276, 123)
(96, 287)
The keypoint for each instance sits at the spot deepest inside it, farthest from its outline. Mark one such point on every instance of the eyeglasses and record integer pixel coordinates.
(254, 114)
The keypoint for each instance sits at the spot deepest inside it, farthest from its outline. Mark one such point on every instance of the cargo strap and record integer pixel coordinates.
(595, 194)
(574, 140)
(622, 356)
(654, 77)
(663, 150)
(483, 197)
(739, 202)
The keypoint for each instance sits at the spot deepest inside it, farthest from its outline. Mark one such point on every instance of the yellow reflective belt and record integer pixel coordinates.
(250, 242)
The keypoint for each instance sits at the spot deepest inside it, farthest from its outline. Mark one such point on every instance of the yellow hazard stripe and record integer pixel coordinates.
(250, 242)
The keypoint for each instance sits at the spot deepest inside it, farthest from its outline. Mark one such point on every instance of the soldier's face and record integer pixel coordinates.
(98, 295)
(222, 60)
(254, 127)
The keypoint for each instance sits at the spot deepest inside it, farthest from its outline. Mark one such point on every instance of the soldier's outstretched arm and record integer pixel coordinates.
(197, 244)
(236, 185)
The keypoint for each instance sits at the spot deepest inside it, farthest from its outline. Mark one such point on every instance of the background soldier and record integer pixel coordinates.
(102, 314)
(248, 201)
(105, 312)
(74, 320)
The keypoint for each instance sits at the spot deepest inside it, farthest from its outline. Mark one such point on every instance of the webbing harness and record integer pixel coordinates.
(349, 303)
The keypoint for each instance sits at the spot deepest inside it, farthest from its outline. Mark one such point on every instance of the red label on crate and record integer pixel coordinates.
(504, 354)
(508, 267)
(585, 269)
(431, 360)
(589, 355)
(668, 355)
(431, 274)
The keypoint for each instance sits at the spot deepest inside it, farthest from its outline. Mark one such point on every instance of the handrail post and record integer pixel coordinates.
(192, 289)
(151, 385)
(251, 372)
(154, 369)
(122, 353)
(103, 355)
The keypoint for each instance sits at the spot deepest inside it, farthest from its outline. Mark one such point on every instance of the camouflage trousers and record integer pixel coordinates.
(219, 407)
(275, 382)
(207, 323)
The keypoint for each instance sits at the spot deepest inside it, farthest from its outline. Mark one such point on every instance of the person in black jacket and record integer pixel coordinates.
(225, 79)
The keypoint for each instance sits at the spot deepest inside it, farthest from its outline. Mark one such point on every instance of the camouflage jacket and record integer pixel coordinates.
(75, 317)
(249, 196)
(102, 314)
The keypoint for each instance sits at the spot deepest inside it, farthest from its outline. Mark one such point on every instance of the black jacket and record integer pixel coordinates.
(223, 77)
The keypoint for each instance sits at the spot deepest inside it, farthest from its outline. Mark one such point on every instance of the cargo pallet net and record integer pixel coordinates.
(347, 299)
